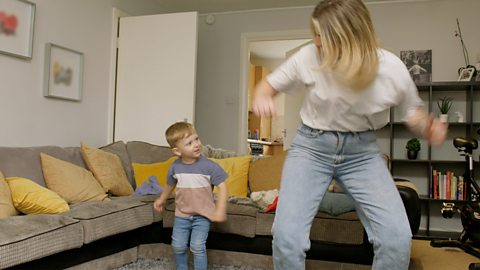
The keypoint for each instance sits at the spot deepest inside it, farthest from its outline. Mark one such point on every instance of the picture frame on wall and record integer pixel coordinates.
(419, 64)
(466, 74)
(63, 77)
(17, 20)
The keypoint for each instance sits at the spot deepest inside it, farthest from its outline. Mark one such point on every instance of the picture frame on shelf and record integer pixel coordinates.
(17, 20)
(63, 74)
(466, 74)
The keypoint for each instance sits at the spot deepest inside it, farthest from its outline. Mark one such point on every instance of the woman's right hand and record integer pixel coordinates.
(263, 105)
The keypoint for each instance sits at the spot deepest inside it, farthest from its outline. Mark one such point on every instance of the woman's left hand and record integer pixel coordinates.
(436, 131)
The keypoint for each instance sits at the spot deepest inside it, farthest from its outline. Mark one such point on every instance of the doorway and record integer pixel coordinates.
(264, 52)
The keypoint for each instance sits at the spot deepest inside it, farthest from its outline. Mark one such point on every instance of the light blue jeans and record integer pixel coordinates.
(196, 229)
(355, 161)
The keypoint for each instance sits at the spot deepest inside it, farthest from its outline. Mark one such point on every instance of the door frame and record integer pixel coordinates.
(245, 39)
(112, 88)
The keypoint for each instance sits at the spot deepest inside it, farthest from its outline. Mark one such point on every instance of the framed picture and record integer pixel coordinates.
(419, 64)
(16, 28)
(63, 73)
(466, 74)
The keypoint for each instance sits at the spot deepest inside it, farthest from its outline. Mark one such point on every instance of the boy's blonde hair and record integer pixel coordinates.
(178, 131)
(348, 42)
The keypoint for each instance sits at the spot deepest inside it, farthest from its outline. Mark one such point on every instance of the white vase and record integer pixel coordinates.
(444, 118)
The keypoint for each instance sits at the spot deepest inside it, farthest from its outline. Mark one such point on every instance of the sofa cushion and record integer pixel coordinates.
(102, 219)
(119, 148)
(265, 173)
(142, 152)
(336, 203)
(342, 229)
(31, 198)
(237, 170)
(241, 219)
(142, 171)
(6, 204)
(41, 235)
(108, 170)
(73, 183)
(75, 156)
(148, 199)
(212, 152)
(25, 161)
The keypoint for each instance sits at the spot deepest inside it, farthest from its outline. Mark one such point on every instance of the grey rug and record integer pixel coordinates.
(169, 264)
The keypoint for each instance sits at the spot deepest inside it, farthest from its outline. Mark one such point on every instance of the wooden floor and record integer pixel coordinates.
(425, 257)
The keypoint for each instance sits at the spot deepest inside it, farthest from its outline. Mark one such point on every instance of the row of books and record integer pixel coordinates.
(447, 186)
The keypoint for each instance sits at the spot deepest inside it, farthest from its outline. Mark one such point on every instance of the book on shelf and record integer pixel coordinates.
(447, 186)
(461, 188)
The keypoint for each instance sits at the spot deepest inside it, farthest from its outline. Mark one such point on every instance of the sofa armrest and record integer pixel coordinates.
(411, 201)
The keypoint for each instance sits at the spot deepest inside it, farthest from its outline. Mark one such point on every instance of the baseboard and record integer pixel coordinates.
(111, 261)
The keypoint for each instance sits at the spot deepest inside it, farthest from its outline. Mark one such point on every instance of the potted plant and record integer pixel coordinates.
(444, 104)
(413, 146)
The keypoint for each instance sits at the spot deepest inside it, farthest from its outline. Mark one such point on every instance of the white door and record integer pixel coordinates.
(293, 103)
(155, 75)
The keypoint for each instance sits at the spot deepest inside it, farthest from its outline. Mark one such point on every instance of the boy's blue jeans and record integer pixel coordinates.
(354, 160)
(195, 229)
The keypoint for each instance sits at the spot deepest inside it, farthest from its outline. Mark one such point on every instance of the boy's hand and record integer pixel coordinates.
(158, 205)
(219, 216)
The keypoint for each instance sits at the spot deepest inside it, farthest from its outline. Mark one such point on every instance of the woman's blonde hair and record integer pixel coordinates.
(178, 131)
(348, 42)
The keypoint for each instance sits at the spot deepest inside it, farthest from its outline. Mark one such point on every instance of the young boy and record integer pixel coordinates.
(193, 176)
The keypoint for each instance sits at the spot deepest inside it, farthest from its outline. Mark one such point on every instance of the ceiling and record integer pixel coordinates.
(218, 6)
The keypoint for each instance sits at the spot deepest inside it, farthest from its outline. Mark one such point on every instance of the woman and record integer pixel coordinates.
(351, 85)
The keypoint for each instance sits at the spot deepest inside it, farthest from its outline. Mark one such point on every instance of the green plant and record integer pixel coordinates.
(444, 104)
(413, 145)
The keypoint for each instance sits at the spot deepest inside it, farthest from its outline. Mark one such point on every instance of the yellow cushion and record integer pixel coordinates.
(237, 169)
(141, 171)
(108, 170)
(31, 198)
(73, 183)
(6, 204)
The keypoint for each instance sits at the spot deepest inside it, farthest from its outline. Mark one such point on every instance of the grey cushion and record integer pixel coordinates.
(75, 156)
(148, 199)
(26, 238)
(102, 219)
(142, 152)
(336, 203)
(342, 229)
(25, 161)
(241, 219)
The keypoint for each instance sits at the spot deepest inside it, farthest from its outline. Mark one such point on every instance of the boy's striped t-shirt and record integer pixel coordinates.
(193, 193)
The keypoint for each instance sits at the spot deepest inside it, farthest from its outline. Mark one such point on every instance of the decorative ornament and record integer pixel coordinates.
(458, 33)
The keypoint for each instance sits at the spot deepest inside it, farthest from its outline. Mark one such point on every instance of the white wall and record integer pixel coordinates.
(29, 119)
(400, 26)
(26, 116)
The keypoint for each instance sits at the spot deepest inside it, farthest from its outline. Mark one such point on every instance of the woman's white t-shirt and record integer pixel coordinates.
(329, 105)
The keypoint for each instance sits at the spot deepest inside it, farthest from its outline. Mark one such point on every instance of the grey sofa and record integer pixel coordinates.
(86, 232)
(94, 230)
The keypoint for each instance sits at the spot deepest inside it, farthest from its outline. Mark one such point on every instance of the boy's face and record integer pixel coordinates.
(189, 148)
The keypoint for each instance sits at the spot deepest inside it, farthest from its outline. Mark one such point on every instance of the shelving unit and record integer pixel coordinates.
(392, 139)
